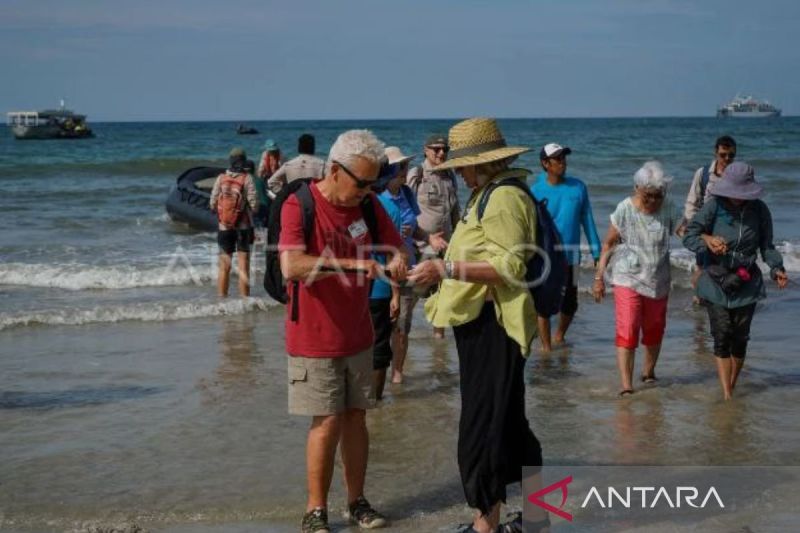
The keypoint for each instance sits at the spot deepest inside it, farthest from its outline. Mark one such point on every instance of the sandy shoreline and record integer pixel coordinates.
(182, 426)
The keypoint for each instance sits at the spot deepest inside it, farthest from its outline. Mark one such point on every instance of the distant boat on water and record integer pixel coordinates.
(58, 123)
(243, 129)
(748, 107)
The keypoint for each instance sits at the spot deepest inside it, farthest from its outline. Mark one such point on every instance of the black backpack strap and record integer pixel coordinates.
(308, 214)
(306, 200)
(704, 183)
(513, 182)
(370, 218)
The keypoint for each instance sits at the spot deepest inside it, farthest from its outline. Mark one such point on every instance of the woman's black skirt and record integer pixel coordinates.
(494, 437)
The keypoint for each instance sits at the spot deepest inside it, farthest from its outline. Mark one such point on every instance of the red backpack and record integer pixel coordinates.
(230, 203)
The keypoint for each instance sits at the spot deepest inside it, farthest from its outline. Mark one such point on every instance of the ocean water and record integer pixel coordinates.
(129, 391)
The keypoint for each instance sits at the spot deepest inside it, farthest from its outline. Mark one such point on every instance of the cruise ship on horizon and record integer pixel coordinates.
(748, 107)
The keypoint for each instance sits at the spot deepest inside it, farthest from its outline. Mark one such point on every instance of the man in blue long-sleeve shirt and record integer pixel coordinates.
(568, 204)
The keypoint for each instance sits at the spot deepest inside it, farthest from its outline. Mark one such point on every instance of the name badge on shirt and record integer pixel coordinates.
(358, 229)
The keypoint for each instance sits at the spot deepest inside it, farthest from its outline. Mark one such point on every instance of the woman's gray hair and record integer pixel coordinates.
(652, 176)
(355, 143)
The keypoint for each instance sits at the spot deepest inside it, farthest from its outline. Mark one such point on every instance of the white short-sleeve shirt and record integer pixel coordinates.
(641, 260)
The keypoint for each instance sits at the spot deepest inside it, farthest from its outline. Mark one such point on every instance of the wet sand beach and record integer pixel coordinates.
(182, 426)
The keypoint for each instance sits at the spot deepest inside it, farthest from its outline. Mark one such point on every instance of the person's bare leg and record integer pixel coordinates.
(563, 325)
(544, 332)
(323, 436)
(354, 451)
(625, 358)
(651, 354)
(244, 273)
(399, 350)
(487, 523)
(378, 382)
(695, 277)
(533, 513)
(438, 333)
(736, 367)
(224, 275)
(724, 371)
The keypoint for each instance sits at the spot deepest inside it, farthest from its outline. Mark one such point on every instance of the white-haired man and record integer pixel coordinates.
(330, 336)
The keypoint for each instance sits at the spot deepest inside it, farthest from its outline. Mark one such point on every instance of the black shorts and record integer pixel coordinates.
(383, 326)
(569, 305)
(231, 240)
(730, 329)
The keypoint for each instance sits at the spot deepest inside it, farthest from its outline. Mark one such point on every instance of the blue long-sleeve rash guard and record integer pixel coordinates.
(568, 204)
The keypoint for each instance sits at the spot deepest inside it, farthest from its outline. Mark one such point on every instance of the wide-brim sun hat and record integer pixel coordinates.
(476, 141)
(396, 156)
(270, 146)
(738, 182)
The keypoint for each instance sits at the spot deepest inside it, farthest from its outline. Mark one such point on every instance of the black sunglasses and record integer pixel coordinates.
(360, 183)
(444, 149)
(727, 155)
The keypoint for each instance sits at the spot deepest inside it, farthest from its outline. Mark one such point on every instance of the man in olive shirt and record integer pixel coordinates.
(435, 190)
(436, 195)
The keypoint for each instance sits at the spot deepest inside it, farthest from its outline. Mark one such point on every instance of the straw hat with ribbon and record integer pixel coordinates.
(476, 141)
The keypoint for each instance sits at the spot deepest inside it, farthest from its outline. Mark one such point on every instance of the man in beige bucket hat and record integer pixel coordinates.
(483, 296)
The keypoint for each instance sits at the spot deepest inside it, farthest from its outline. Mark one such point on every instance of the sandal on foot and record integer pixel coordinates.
(649, 379)
(361, 513)
(625, 392)
(516, 525)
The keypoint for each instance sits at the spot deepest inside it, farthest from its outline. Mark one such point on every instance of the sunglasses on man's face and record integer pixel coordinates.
(444, 149)
(726, 155)
(360, 183)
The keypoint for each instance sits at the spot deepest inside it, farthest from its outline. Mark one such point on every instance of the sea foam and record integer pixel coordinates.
(143, 312)
(75, 276)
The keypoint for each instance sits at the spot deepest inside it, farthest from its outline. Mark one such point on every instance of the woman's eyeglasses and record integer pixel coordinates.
(360, 183)
(653, 196)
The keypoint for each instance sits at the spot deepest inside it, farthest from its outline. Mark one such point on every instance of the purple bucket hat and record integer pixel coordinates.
(738, 182)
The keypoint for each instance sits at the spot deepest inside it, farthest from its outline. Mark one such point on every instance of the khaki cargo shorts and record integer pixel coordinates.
(321, 386)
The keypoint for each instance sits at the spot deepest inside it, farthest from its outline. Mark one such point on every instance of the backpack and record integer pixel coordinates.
(230, 204)
(274, 283)
(546, 273)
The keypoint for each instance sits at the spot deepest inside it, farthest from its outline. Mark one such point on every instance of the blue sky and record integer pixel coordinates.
(314, 59)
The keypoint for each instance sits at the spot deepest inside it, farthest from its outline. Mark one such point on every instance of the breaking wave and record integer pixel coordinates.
(144, 312)
(76, 276)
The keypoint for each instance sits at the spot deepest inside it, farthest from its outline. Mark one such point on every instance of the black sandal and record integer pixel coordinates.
(649, 379)
(516, 525)
(625, 392)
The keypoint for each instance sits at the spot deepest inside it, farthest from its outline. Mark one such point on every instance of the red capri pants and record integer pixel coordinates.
(636, 313)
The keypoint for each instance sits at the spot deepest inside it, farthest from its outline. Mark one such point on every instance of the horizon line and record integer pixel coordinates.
(246, 121)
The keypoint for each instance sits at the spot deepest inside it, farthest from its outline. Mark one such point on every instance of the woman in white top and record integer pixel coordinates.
(638, 238)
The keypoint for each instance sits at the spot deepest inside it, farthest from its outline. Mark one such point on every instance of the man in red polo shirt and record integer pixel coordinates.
(330, 342)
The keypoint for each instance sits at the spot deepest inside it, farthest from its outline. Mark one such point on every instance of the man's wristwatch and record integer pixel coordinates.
(448, 270)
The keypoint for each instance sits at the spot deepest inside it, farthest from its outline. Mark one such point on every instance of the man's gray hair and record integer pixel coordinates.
(652, 176)
(353, 144)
